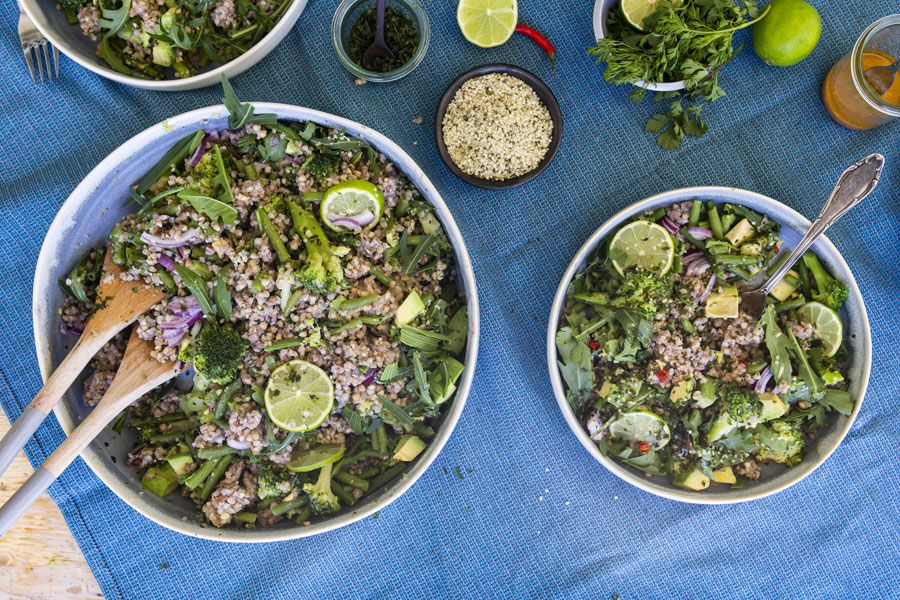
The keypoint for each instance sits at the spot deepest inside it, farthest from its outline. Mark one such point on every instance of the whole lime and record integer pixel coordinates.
(788, 33)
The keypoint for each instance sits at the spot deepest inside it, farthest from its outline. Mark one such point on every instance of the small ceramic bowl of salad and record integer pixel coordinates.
(677, 388)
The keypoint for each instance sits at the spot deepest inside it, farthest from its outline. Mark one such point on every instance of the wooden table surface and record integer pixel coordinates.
(39, 558)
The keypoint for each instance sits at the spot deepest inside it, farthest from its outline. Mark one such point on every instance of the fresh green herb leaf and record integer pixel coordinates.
(804, 371)
(356, 422)
(778, 345)
(221, 294)
(839, 400)
(241, 114)
(222, 178)
(576, 367)
(176, 154)
(212, 208)
(427, 341)
(197, 286)
(397, 413)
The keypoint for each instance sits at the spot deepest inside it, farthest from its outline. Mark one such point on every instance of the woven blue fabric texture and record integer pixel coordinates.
(533, 515)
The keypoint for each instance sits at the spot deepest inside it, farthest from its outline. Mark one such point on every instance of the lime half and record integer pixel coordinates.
(318, 457)
(635, 11)
(487, 23)
(642, 245)
(353, 204)
(299, 396)
(826, 324)
(641, 426)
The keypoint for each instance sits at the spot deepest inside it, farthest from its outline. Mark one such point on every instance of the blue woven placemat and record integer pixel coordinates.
(534, 516)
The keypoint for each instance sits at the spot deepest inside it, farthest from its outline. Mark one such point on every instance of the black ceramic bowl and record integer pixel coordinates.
(543, 92)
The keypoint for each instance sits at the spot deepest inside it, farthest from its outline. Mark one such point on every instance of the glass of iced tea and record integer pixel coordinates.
(849, 98)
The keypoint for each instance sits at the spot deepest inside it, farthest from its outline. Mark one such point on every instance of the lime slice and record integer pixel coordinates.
(642, 245)
(635, 11)
(299, 396)
(351, 204)
(487, 23)
(641, 426)
(826, 323)
(318, 457)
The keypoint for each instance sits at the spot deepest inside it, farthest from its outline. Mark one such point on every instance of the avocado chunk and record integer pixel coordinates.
(409, 447)
(160, 479)
(784, 288)
(179, 458)
(724, 304)
(707, 394)
(691, 479)
(458, 330)
(740, 233)
(725, 475)
(410, 309)
(773, 406)
(681, 391)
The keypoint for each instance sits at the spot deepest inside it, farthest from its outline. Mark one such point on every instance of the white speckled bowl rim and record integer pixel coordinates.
(775, 478)
(92, 210)
(52, 23)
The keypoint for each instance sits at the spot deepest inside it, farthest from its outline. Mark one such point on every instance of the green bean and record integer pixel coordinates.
(167, 280)
(265, 224)
(658, 214)
(357, 482)
(742, 273)
(285, 343)
(266, 503)
(714, 223)
(292, 302)
(692, 240)
(779, 260)
(790, 304)
(383, 278)
(250, 172)
(677, 267)
(791, 280)
(164, 438)
(180, 426)
(313, 196)
(302, 515)
(197, 253)
(755, 366)
(696, 209)
(202, 270)
(357, 303)
(283, 507)
(387, 476)
(199, 476)
(217, 475)
(246, 517)
(804, 276)
(357, 322)
(736, 259)
(370, 472)
(216, 452)
(225, 397)
(346, 497)
(379, 440)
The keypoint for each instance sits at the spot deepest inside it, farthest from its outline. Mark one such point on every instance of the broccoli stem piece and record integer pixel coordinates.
(274, 237)
(216, 476)
(830, 292)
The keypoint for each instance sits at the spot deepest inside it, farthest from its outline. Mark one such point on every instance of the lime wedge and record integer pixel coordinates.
(827, 326)
(641, 426)
(352, 204)
(635, 11)
(642, 245)
(487, 23)
(299, 396)
(318, 457)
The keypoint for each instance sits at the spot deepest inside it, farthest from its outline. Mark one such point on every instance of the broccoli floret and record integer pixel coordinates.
(321, 499)
(740, 408)
(321, 166)
(81, 282)
(644, 291)
(275, 481)
(323, 272)
(829, 291)
(781, 441)
(217, 352)
(72, 5)
(163, 54)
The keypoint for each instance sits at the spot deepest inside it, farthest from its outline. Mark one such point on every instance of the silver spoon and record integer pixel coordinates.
(881, 78)
(854, 184)
(379, 48)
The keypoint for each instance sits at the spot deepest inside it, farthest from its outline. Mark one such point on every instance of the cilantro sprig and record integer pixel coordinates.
(689, 40)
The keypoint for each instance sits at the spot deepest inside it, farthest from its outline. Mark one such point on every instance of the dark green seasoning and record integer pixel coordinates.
(400, 34)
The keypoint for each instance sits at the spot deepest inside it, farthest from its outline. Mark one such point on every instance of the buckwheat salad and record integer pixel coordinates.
(175, 38)
(667, 372)
(312, 289)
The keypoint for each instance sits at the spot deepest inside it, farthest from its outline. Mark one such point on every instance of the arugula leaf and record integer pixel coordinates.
(214, 209)
(113, 20)
(411, 259)
(651, 462)
(839, 400)
(113, 58)
(356, 422)
(778, 345)
(241, 114)
(222, 178)
(576, 367)
(804, 371)
(176, 154)
(421, 380)
(197, 286)
(398, 413)
(221, 294)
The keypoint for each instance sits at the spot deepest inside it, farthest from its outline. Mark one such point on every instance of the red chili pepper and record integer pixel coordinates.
(662, 375)
(543, 42)
(593, 345)
(644, 447)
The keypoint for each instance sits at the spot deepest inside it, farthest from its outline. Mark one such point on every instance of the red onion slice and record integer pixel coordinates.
(237, 445)
(709, 287)
(167, 262)
(668, 225)
(764, 378)
(201, 150)
(700, 233)
(360, 220)
(184, 305)
(176, 242)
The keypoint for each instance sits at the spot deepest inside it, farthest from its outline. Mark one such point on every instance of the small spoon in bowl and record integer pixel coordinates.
(854, 184)
(379, 48)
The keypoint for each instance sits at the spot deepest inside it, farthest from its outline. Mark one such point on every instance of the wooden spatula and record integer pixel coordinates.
(118, 304)
(137, 375)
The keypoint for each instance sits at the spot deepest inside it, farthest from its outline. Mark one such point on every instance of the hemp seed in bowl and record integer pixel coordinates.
(496, 128)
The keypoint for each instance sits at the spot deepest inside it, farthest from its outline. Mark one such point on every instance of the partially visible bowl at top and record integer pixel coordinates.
(858, 341)
(543, 93)
(601, 14)
(52, 23)
(347, 14)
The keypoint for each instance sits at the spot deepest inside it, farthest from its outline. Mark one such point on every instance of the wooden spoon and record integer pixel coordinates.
(118, 304)
(137, 375)
(379, 48)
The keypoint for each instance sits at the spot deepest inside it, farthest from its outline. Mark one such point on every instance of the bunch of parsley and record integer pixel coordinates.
(688, 40)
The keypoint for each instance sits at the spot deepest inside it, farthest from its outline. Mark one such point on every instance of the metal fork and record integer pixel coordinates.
(36, 46)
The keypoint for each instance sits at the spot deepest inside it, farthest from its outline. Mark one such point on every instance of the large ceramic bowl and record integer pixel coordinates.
(73, 43)
(858, 339)
(86, 219)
